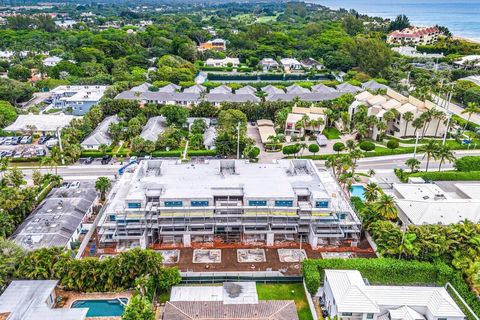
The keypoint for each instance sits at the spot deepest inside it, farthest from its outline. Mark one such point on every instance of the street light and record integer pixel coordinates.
(238, 140)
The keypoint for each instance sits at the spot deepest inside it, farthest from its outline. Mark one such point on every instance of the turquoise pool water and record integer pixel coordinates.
(102, 308)
(358, 191)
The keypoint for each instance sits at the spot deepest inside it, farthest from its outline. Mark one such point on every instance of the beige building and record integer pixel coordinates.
(378, 105)
(295, 117)
(414, 35)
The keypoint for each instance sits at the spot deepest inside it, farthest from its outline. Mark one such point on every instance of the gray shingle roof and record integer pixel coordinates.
(321, 88)
(169, 88)
(221, 97)
(153, 128)
(272, 90)
(195, 89)
(100, 134)
(213, 310)
(221, 89)
(348, 88)
(312, 97)
(246, 89)
(373, 85)
(296, 89)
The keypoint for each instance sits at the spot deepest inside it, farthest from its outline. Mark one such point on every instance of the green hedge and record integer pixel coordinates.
(386, 271)
(20, 160)
(468, 163)
(202, 153)
(173, 153)
(448, 175)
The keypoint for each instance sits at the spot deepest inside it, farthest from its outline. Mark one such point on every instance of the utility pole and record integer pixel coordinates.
(238, 140)
(449, 116)
(415, 149)
(59, 135)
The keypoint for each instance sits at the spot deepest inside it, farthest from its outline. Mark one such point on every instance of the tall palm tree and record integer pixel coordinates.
(417, 124)
(444, 153)
(430, 149)
(371, 193)
(381, 127)
(470, 109)
(386, 207)
(440, 116)
(102, 185)
(407, 117)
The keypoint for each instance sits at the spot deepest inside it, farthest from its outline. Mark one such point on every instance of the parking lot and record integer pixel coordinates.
(25, 146)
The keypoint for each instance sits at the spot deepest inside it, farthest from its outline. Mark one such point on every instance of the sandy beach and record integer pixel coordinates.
(476, 41)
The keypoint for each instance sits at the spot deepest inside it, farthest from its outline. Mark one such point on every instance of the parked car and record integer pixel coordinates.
(106, 159)
(43, 139)
(15, 141)
(64, 185)
(133, 159)
(88, 160)
(51, 143)
(74, 185)
(322, 140)
(40, 152)
(26, 139)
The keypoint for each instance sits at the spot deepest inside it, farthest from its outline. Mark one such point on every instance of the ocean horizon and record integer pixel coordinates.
(462, 17)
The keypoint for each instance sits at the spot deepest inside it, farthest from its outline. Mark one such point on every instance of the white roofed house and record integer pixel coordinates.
(153, 128)
(315, 121)
(51, 61)
(347, 296)
(225, 62)
(393, 102)
(310, 63)
(291, 64)
(268, 64)
(100, 135)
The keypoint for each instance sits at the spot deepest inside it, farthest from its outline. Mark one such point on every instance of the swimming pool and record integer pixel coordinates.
(102, 307)
(358, 191)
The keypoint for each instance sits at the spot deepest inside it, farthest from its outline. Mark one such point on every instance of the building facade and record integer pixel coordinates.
(79, 98)
(165, 202)
(414, 36)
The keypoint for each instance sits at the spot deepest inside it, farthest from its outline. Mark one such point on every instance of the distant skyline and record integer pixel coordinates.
(461, 17)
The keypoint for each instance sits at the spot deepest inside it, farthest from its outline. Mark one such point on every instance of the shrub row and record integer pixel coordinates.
(386, 271)
(448, 175)
(468, 163)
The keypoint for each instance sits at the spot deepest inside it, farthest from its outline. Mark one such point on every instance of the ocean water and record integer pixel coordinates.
(462, 17)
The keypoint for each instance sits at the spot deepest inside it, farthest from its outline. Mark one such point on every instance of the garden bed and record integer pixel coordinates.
(290, 291)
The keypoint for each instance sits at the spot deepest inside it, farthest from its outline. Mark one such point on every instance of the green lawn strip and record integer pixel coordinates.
(331, 133)
(284, 292)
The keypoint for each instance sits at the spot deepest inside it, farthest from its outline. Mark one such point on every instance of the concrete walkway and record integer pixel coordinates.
(457, 109)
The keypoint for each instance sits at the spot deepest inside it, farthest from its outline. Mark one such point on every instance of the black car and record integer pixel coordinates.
(15, 141)
(106, 159)
(90, 160)
(43, 139)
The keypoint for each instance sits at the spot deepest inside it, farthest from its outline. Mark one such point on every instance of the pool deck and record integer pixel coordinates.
(72, 296)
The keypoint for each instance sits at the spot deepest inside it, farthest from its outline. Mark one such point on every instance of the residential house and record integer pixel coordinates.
(413, 53)
(266, 129)
(310, 63)
(209, 138)
(321, 88)
(294, 125)
(268, 64)
(225, 62)
(215, 44)
(272, 90)
(59, 219)
(414, 36)
(79, 98)
(348, 296)
(378, 105)
(195, 89)
(246, 89)
(373, 86)
(170, 88)
(144, 87)
(291, 64)
(233, 300)
(154, 127)
(348, 88)
(428, 203)
(223, 89)
(35, 300)
(100, 135)
(51, 61)
(296, 89)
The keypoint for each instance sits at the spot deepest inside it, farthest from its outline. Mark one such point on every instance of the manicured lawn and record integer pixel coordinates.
(266, 19)
(284, 292)
(331, 133)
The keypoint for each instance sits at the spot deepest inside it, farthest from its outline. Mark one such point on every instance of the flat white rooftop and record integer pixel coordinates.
(429, 204)
(40, 122)
(228, 293)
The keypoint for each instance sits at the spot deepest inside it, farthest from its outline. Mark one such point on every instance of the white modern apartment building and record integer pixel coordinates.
(347, 296)
(167, 202)
(79, 98)
(225, 62)
(380, 104)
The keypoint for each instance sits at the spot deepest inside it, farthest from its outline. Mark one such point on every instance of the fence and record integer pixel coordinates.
(220, 277)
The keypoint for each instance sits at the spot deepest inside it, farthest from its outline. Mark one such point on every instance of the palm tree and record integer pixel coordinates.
(413, 164)
(103, 148)
(382, 127)
(470, 109)
(371, 192)
(386, 207)
(102, 185)
(407, 117)
(430, 150)
(441, 117)
(444, 153)
(427, 118)
(417, 124)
